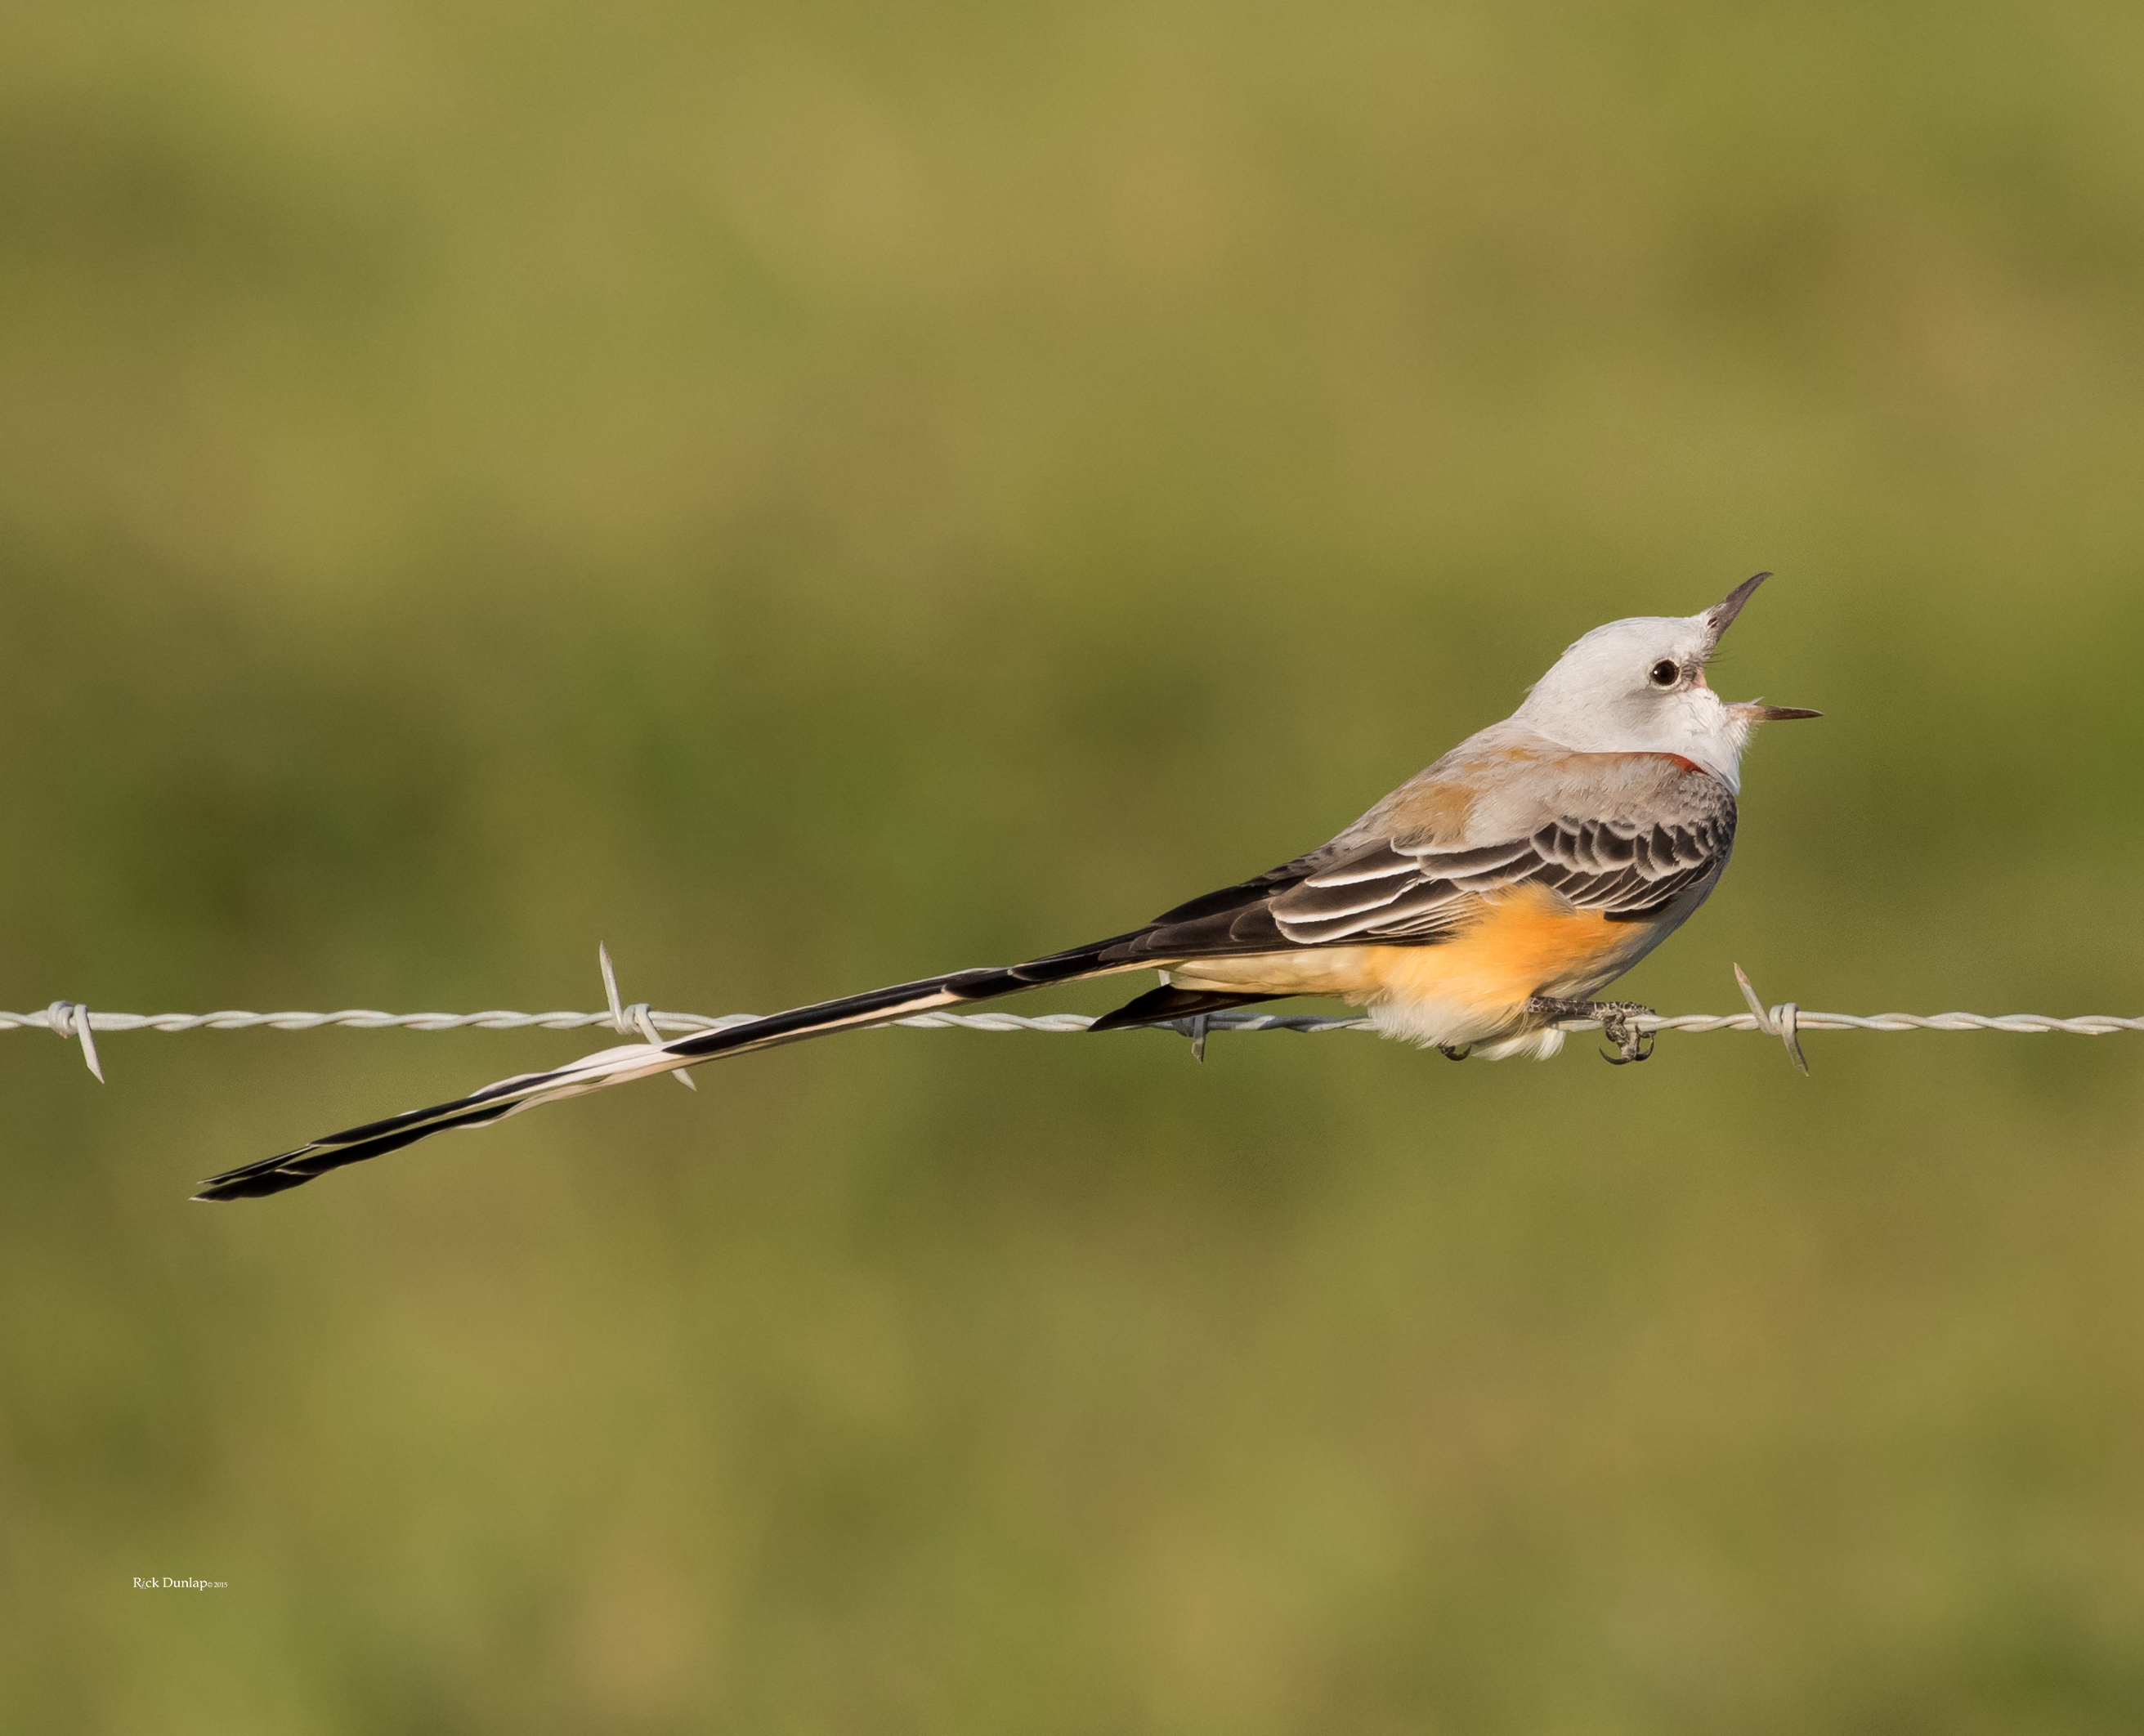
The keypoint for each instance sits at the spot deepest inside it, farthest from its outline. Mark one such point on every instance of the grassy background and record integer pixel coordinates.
(814, 494)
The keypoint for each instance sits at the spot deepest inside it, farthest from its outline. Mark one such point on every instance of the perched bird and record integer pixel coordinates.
(1473, 909)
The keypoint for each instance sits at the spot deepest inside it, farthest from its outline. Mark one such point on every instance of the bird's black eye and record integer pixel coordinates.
(1664, 673)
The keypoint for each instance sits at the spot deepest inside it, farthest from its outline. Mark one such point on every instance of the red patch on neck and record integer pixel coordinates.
(1687, 765)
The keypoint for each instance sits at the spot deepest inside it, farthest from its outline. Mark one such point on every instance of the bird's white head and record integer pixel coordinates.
(1638, 687)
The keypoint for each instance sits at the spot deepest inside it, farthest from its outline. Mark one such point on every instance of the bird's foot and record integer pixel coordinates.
(1616, 1016)
(1631, 1044)
(1455, 1051)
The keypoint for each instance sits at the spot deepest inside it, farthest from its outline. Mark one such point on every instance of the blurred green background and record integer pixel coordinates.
(817, 495)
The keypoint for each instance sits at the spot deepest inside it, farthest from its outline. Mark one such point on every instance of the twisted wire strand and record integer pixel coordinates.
(67, 1019)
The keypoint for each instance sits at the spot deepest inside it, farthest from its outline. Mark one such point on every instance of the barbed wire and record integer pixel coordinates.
(1786, 1021)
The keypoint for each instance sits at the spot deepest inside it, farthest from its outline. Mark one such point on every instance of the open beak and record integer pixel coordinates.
(1717, 620)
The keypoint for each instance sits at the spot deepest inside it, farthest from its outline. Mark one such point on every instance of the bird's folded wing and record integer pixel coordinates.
(1624, 835)
(1395, 892)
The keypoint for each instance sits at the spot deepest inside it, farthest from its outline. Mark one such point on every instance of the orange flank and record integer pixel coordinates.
(1517, 944)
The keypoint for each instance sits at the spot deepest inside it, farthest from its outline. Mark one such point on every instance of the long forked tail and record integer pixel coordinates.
(640, 1060)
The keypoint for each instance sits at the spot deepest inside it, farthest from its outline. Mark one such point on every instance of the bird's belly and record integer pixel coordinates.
(1461, 990)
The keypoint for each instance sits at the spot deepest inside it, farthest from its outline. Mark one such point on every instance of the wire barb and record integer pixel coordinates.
(1199, 1026)
(72, 1018)
(637, 1019)
(1782, 1021)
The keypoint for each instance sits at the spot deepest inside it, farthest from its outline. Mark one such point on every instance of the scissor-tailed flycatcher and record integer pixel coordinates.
(1479, 903)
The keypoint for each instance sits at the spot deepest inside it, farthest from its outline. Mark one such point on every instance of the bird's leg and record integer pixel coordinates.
(1631, 1044)
(1455, 1051)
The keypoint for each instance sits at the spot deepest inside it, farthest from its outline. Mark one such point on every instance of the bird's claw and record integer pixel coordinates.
(1631, 1044)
